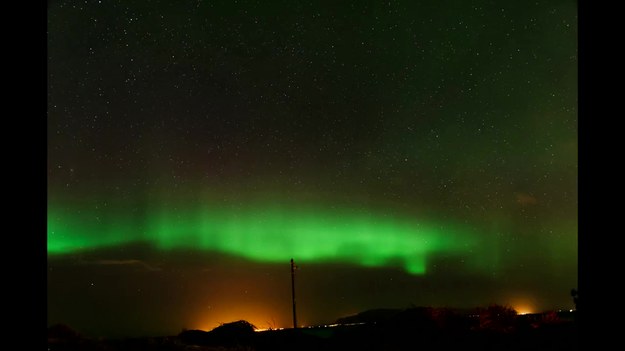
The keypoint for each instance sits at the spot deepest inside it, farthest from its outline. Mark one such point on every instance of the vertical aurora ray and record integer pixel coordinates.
(268, 233)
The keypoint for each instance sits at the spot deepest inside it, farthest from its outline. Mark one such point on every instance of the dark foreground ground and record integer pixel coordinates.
(409, 330)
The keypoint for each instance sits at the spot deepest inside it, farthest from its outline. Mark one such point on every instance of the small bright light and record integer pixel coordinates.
(570, 310)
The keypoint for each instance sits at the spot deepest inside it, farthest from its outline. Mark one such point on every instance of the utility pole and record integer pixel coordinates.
(293, 292)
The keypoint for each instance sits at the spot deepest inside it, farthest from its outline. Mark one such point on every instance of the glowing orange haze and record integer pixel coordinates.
(262, 316)
(523, 305)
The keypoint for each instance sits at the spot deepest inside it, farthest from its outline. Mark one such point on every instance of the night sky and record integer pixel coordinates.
(404, 153)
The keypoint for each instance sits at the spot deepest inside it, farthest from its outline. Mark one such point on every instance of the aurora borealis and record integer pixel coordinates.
(402, 152)
(264, 234)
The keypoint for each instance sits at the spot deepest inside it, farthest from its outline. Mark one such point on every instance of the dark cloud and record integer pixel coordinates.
(124, 262)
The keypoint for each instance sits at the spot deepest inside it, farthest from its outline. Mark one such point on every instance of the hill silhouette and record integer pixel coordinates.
(239, 333)
(491, 327)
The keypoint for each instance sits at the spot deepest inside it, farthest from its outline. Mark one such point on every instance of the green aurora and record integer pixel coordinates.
(268, 233)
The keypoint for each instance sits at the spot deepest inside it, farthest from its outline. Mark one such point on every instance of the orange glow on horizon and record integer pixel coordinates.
(523, 305)
(262, 317)
(524, 309)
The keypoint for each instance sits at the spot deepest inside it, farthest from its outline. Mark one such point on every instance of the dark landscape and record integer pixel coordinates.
(492, 328)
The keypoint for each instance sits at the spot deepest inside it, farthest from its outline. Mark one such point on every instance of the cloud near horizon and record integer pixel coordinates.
(124, 262)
